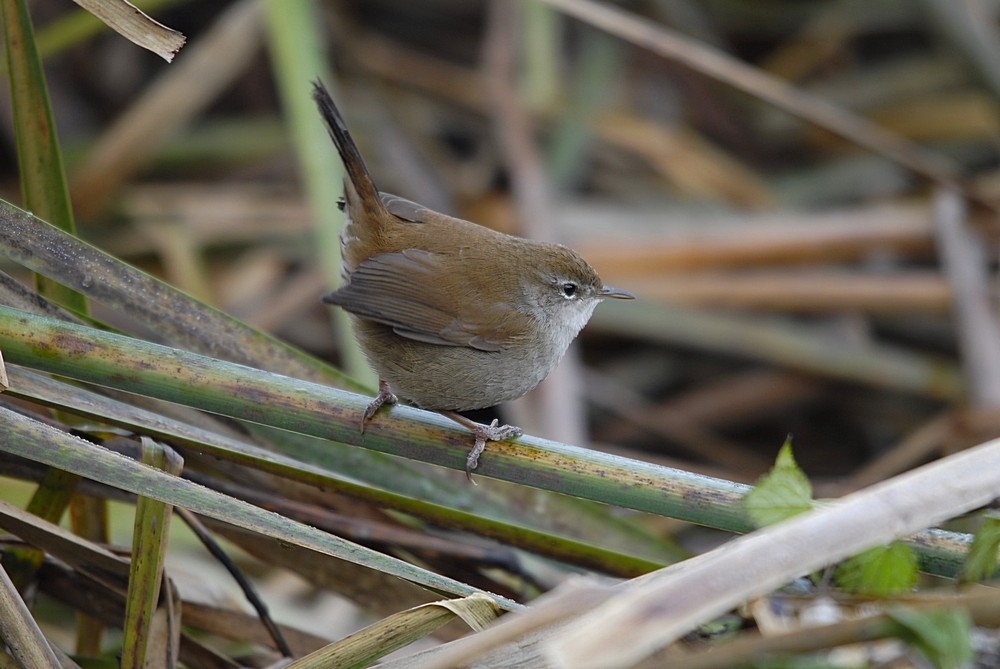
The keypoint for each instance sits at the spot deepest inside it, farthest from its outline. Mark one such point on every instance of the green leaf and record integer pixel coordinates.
(39, 159)
(781, 493)
(880, 571)
(149, 550)
(942, 635)
(981, 562)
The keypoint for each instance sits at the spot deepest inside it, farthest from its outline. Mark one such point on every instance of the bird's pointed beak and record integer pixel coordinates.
(616, 293)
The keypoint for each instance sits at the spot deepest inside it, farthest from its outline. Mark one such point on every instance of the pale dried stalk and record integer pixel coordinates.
(131, 23)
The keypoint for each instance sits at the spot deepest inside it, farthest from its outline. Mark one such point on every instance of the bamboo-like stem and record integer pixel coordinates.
(299, 406)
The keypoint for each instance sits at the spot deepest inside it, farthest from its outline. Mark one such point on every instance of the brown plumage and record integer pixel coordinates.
(452, 315)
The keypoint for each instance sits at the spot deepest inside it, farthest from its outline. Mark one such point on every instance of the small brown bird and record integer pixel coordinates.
(452, 315)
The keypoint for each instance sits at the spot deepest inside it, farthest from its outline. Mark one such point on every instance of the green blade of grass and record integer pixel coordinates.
(43, 179)
(149, 549)
(41, 443)
(51, 392)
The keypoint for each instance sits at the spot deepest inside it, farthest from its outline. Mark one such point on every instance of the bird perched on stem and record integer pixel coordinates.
(452, 315)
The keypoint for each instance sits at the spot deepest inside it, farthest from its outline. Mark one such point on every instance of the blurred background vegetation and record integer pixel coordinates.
(791, 280)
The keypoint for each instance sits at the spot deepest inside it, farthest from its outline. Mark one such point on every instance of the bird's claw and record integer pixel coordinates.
(483, 433)
(385, 396)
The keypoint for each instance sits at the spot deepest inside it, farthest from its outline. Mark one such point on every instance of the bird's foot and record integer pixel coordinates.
(385, 396)
(484, 433)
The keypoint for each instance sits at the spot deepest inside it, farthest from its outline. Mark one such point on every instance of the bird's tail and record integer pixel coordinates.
(357, 173)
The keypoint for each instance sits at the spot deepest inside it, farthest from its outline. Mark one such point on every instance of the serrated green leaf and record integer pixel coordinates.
(943, 635)
(880, 571)
(981, 562)
(781, 493)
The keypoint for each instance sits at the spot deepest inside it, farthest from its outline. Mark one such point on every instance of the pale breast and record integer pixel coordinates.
(453, 378)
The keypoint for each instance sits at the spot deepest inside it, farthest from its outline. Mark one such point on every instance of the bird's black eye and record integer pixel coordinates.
(568, 289)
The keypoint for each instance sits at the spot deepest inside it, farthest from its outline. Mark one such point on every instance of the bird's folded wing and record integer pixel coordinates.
(406, 290)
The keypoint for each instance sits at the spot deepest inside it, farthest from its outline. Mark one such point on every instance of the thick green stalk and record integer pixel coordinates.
(637, 558)
(38, 442)
(299, 406)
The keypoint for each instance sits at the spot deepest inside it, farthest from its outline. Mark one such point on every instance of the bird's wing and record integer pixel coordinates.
(408, 210)
(405, 290)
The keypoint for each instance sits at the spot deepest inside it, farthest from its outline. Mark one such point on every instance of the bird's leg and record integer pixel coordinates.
(482, 433)
(385, 396)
